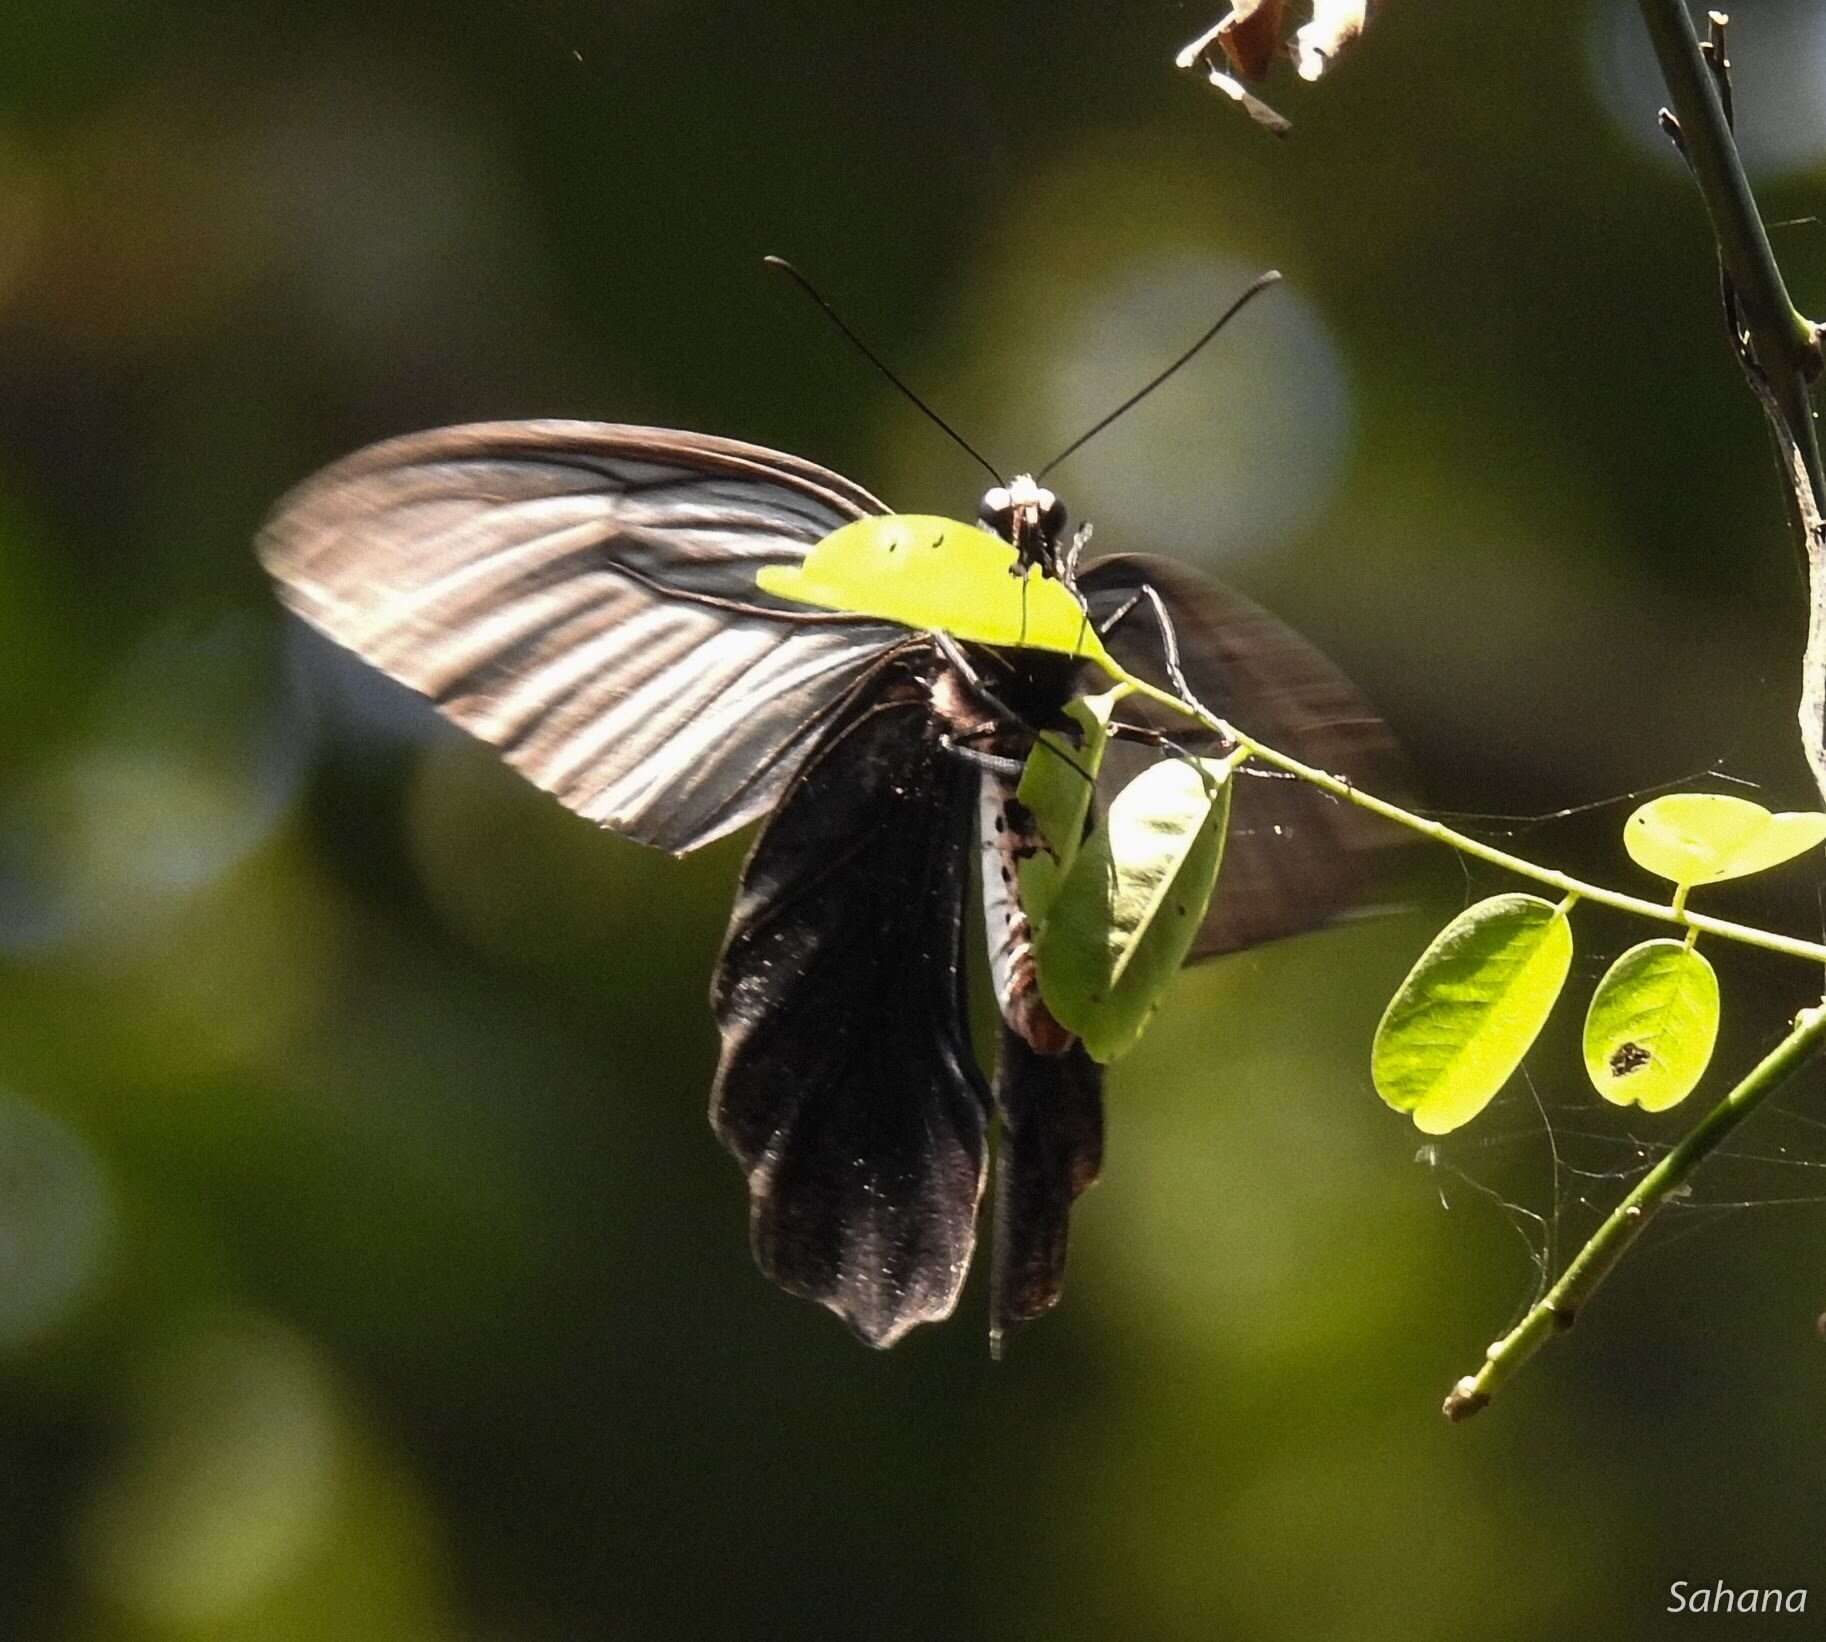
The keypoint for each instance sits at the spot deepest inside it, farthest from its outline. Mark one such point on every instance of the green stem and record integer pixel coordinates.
(1659, 911)
(1559, 1308)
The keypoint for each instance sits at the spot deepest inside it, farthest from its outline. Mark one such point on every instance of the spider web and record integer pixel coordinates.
(1558, 1169)
(1553, 1159)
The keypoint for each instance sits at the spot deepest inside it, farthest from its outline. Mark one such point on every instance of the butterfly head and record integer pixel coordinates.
(1027, 514)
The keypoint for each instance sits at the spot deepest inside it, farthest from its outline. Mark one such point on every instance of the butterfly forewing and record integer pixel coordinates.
(847, 1087)
(583, 596)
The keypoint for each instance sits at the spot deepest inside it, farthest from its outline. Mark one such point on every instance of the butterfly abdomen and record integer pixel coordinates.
(1009, 837)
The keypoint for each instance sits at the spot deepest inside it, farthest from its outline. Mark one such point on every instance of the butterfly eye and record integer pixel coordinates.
(1052, 516)
(996, 512)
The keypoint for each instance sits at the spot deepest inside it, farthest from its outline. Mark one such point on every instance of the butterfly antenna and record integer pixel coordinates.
(874, 359)
(1272, 277)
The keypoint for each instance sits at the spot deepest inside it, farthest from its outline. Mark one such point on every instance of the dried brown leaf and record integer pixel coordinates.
(1250, 34)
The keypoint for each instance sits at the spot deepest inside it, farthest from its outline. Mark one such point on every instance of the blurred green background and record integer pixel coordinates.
(367, 1269)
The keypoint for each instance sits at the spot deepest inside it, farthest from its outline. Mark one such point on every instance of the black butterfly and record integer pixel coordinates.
(583, 597)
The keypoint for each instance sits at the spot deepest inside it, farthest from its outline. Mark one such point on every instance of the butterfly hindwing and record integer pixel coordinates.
(847, 1088)
(1049, 1148)
(1295, 858)
(583, 597)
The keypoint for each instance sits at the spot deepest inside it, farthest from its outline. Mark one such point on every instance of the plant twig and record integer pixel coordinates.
(1559, 1308)
(1556, 1311)
(1782, 337)
(1779, 348)
(1660, 911)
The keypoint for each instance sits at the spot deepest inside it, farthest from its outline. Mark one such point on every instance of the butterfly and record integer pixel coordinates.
(584, 597)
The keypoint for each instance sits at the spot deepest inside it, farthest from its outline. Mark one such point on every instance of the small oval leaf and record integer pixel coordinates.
(939, 576)
(1469, 1010)
(1705, 838)
(1651, 1027)
(1056, 788)
(1125, 914)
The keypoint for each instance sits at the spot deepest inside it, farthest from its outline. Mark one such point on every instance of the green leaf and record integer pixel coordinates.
(1126, 913)
(1705, 838)
(1057, 793)
(1470, 1009)
(939, 576)
(1651, 1026)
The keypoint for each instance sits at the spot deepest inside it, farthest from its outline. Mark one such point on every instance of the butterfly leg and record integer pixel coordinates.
(1169, 647)
(1148, 736)
(1008, 768)
(953, 652)
(1120, 615)
(1169, 640)
(1005, 715)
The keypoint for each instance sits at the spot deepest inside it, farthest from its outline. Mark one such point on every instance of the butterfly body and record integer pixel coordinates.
(1009, 835)
(589, 598)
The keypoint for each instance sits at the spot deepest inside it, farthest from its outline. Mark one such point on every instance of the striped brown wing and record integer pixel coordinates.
(582, 596)
(1295, 858)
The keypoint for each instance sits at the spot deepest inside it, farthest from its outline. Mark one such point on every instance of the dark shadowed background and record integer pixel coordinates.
(367, 1269)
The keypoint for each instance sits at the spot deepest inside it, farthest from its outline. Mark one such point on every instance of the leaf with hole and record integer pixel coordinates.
(1651, 1027)
(1126, 913)
(1705, 838)
(939, 576)
(1470, 1009)
(1056, 788)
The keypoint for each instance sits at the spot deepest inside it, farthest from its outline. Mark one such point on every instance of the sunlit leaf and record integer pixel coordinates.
(1470, 1009)
(1125, 915)
(1651, 1026)
(939, 576)
(1056, 787)
(1705, 838)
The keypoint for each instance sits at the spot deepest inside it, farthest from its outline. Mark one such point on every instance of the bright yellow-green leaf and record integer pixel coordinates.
(939, 576)
(1126, 913)
(1651, 1026)
(1470, 1009)
(1056, 789)
(1704, 838)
